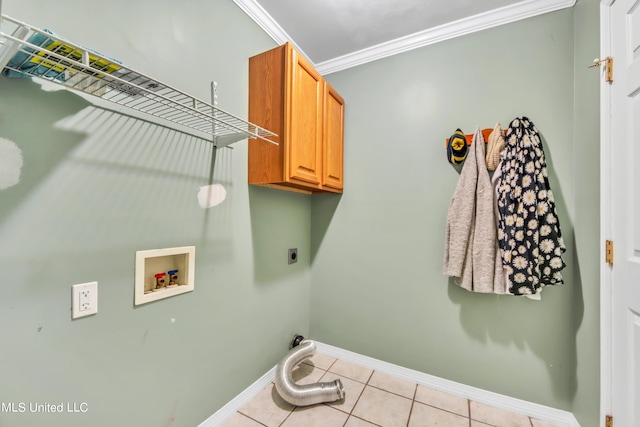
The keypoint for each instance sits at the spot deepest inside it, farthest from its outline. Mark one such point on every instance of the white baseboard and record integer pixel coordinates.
(240, 400)
(534, 410)
(555, 416)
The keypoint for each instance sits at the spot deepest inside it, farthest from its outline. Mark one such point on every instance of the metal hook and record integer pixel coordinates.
(597, 62)
(608, 61)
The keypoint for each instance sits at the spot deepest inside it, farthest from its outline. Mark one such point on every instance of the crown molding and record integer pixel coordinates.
(505, 15)
(268, 24)
(472, 24)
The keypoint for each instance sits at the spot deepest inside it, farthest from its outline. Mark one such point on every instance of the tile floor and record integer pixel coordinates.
(372, 399)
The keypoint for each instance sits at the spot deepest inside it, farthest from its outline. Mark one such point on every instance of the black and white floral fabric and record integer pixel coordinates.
(528, 229)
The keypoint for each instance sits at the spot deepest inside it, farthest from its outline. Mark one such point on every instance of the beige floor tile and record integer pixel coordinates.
(351, 370)
(425, 415)
(448, 402)
(306, 374)
(239, 420)
(540, 423)
(393, 384)
(352, 391)
(316, 416)
(357, 422)
(267, 407)
(383, 408)
(380, 403)
(321, 361)
(497, 417)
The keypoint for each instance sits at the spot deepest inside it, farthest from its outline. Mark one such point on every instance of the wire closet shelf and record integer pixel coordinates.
(30, 52)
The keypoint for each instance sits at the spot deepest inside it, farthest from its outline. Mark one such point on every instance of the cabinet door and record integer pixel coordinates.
(333, 149)
(304, 145)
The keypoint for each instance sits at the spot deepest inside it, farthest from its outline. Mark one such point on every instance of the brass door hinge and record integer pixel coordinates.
(608, 257)
(608, 421)
(608, 65)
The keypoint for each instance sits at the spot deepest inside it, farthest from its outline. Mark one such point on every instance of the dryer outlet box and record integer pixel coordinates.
(293, 255)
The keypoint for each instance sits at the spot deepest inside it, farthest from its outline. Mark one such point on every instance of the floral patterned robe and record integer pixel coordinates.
(528, 228)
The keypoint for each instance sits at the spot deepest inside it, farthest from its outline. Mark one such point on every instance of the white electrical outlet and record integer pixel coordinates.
(84, 299)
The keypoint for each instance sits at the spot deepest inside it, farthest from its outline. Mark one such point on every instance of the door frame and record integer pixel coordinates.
(606, 300)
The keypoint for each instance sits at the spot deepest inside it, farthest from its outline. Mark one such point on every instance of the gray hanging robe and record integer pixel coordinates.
(471, 231)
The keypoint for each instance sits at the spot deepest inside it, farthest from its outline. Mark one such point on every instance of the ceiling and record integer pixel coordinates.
(338, 34)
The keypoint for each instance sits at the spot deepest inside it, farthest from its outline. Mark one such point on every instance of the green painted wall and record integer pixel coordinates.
(97, 186)
(586, 405)
(377, 251)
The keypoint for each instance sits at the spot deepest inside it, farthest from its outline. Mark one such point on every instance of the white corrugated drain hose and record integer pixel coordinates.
(307, 394)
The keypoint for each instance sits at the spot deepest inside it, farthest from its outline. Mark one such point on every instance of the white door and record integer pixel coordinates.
(624, 213)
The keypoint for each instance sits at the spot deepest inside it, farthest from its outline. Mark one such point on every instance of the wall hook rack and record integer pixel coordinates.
(469, 136)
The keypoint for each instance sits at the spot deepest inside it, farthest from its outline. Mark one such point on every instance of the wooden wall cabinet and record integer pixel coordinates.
(289, 97)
